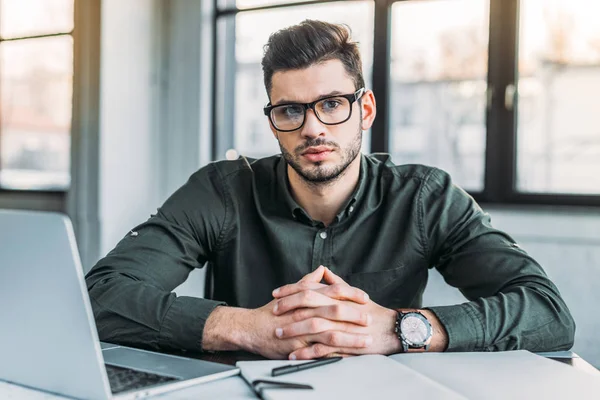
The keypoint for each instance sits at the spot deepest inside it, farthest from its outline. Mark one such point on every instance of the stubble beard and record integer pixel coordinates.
(317, 174)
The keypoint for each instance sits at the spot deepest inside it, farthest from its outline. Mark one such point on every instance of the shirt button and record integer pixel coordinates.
(351, 208)
(323, 235)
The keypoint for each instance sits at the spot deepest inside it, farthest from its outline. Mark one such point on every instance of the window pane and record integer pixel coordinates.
(559, 103)
(36, 80)
(20, 18)
(243, 4)
(439, 82)
(252, 136)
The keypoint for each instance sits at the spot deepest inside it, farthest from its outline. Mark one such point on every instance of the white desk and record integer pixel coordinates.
(229, 388)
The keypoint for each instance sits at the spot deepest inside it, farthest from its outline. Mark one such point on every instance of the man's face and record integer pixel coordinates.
(320, 153)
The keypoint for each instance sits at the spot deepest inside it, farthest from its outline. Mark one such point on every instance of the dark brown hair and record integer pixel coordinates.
(308, 43)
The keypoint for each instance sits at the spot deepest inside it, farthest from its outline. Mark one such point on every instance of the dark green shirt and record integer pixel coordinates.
(239, 216)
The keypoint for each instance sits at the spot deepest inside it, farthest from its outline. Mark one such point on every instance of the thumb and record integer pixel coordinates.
(315, 276)
(331, 278)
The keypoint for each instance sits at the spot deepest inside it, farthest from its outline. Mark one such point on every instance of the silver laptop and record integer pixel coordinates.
(48, 338)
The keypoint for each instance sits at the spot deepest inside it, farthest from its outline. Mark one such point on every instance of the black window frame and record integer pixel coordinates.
(51, 193)
(500, 174)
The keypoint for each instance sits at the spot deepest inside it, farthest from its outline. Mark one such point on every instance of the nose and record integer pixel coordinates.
(312, 128)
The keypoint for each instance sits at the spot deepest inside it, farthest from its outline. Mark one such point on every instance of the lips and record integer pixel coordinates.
(318, 153)
(317, 150)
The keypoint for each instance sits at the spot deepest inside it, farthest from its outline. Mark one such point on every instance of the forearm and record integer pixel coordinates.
(531, 317)
(136, 313)
(227, 329)
(251, 330)
(439, 338)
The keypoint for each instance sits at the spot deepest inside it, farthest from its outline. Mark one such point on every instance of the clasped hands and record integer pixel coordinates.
(310, 319)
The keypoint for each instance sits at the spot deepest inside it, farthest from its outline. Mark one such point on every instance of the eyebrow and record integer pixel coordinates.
(323, 96)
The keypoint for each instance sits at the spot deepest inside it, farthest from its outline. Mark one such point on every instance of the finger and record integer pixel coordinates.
(344, 313)
(307, 327)
(332, 278)
(344, 292)
(335, 291)
(308, 282)
(307, 298)
(293, 288)
(339, 339)
(319, 350)
(336, 312)
(315, 276)
(313, 326)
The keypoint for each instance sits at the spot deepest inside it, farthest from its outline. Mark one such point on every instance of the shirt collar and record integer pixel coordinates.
(358, 191)
(294, 209)
(283, 183)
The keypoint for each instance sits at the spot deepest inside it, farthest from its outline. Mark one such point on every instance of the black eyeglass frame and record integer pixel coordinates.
(352, 97)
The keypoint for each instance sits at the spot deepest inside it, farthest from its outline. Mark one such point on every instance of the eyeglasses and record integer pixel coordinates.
(331, 110)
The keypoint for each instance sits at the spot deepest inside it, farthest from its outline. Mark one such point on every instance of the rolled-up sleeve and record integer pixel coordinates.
(131, 289)
(512, 302)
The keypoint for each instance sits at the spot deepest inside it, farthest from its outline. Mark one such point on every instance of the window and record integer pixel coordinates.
(241, 105)
(439, 70)
(558, 127)
(502, 94)
(245, 4)
(36, 81)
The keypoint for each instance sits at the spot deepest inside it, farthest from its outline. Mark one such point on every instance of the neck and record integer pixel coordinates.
(323, 201)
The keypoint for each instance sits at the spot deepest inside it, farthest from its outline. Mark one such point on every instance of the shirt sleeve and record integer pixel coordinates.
(512, 303)
(131, 288)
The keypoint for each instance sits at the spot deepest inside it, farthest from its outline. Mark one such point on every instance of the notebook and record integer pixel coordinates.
(501, 375)
(504, 375)
(352, 378)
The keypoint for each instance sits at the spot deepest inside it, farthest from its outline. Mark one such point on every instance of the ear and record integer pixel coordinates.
(369, 109)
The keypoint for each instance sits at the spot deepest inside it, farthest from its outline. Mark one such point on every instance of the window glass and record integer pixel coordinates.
(36, 82)
(439, 82)
(243, 4)
(20, 18)
(558, 118)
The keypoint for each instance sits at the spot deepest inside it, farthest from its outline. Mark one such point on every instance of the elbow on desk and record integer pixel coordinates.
(566, 332)
(115, 323)
(557, 331)
(557, 335)
(561, 332)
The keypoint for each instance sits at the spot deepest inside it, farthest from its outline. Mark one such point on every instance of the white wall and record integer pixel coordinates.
(567, 244)
(154, 115)
(129, 142)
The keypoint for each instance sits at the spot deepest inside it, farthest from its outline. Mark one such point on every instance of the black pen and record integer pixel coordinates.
(286, 369)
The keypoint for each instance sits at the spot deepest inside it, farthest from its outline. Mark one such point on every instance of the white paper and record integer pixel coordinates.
(364, 377)
(504, 375)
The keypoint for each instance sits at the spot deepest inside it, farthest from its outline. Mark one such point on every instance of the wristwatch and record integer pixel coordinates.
(413, 330)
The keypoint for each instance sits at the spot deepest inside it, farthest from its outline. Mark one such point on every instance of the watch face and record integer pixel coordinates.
(414, 329)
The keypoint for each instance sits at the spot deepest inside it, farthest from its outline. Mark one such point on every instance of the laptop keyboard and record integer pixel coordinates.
(123, 379)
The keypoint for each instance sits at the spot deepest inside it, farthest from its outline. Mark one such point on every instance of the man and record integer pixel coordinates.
(323, 250)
